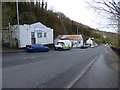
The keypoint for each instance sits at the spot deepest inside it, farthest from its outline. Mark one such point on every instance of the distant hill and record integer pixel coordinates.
(30, 13)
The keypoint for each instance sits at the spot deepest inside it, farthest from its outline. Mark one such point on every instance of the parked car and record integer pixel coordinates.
(87, 45)
(84, 46)
(63, 45)
(106, 44)
(36, 47)
(95, 44)
(92, 46)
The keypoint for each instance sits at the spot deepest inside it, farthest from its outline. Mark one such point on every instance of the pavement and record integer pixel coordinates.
(103, 73)
(15, 50)
(12, 50)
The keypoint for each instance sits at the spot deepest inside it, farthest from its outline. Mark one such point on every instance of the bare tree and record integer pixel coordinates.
(45, 5)
(110, 8)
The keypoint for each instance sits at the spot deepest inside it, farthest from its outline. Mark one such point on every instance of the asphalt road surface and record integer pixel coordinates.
(102, 74)
(53, 69)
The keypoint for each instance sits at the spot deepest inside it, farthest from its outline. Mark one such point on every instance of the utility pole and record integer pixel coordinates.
(77, 36)
(65, 32)
(9, 35)
(77, 31)
(64, 29)
(18, 23)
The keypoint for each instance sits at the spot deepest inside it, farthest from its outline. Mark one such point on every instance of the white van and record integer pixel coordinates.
(63, 44)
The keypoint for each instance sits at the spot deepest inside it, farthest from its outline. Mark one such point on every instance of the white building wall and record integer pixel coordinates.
(89, 41)
(48, 39)
(25, 36)
(78, 43)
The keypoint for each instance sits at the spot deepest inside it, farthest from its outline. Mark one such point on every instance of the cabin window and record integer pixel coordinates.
(32, 34)
(45, 34)
(39, 35)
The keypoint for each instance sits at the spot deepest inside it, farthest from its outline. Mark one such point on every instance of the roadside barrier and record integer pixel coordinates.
(116, 50)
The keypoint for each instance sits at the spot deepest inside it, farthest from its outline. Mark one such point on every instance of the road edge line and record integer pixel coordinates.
(85, 70)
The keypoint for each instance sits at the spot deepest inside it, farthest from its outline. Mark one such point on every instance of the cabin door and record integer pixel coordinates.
(33, 40)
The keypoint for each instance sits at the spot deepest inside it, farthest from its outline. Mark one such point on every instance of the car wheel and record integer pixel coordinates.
(35, 50)
(26, 51)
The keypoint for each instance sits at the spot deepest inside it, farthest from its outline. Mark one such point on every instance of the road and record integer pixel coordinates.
(102, 74)
(53, 69)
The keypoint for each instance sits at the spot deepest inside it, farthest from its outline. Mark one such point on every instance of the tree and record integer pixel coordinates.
(110, 8)
(45, 5)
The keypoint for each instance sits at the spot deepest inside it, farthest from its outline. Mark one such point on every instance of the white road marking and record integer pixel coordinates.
(32, 57)
(24, 58)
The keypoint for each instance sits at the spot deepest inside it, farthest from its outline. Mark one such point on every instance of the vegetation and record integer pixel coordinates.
(109, 9)
(30, 13)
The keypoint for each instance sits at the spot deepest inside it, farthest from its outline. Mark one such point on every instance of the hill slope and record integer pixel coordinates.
(30, 13)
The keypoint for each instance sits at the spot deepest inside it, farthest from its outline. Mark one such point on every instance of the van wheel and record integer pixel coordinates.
(55, 49)
(69, 48)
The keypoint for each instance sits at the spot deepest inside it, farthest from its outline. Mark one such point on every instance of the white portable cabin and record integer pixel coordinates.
(36, 33)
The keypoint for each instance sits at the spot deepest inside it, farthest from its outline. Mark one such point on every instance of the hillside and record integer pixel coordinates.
(30, 13)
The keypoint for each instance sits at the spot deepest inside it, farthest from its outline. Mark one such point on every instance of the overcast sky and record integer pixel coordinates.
(79, 11)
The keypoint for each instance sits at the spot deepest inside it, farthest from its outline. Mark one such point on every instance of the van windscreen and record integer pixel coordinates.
(60, 43)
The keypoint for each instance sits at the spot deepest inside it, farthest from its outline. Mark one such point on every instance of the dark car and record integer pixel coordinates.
(36, 47)
(84, 46)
